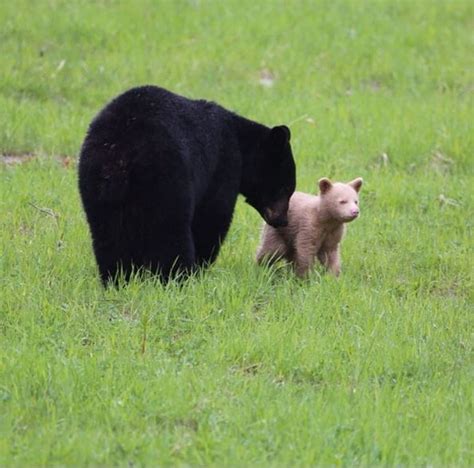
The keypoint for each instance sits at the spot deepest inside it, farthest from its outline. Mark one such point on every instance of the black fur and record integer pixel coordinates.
(159, 176)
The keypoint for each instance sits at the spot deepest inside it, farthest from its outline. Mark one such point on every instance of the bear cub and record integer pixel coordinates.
(316, 225)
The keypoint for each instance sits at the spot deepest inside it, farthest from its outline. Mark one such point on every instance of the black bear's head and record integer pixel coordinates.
(275, 177)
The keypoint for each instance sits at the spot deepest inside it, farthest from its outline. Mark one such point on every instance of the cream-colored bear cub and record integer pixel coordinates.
(315, 227)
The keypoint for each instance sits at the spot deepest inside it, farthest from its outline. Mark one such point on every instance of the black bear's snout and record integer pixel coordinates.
(276, 217)
(280, 222)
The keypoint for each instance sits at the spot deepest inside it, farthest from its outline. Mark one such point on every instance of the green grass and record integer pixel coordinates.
(245, 365)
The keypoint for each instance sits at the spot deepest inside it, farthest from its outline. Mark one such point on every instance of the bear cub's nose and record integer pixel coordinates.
(355, 211)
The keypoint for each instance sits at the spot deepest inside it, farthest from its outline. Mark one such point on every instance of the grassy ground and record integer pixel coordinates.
(244, 365)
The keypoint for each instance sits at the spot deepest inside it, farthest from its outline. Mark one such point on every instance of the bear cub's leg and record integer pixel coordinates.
(272, 246)
(306, 251)
(329, 254)
(332, 260)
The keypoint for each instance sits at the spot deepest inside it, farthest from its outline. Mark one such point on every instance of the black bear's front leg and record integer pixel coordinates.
(209, 229)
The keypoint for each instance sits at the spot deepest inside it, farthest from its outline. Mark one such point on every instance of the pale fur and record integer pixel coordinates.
(316, 225)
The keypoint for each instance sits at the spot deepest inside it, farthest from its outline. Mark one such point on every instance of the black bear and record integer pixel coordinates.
(159, 176)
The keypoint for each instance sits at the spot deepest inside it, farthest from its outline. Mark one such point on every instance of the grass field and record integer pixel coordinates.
(245, 365)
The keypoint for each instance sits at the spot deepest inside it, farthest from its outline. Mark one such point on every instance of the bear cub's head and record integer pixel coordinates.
(340, 201)
(274, 178)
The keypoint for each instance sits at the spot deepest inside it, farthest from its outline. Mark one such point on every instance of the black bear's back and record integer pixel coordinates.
(149, 132)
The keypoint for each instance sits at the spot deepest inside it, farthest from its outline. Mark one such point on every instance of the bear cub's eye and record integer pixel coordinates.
(356, 202)
(342, 202)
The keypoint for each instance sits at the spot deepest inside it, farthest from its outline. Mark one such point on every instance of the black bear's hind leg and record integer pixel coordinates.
(112, 272)
(171, 255)
(113, 256)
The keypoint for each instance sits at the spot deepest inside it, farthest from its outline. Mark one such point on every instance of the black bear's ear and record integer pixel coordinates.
(279, 136)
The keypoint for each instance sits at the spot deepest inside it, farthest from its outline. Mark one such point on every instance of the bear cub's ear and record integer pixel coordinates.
(356, 184)
(324, 185)
(279, 136)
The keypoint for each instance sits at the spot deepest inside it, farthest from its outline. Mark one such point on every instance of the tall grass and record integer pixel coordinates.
(245, 365)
